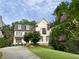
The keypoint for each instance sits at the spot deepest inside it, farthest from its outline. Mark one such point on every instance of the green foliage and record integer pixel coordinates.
(63, 7)
(34, 37)
(7, 32)
(24, 22)
(71, 33)
(3, 42)
(68, 28)
(71, 9)
(72, 46)
(27, 37)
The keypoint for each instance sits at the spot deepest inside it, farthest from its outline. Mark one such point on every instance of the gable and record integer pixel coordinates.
(43, 21)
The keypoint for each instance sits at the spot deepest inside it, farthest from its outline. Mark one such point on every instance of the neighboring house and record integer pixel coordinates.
(1, 25)
(42, 27)
(19, 31)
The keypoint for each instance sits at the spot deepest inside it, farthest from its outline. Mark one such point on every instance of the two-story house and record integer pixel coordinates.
(19, 32)
(42, 27)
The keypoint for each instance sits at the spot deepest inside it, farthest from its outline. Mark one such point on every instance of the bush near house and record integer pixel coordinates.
(34, 37)
(27, 37)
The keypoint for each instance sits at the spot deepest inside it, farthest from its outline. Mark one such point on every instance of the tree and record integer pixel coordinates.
(35, 37)
(24, 22)
(8, 33)
(66, 32)
(27, 37)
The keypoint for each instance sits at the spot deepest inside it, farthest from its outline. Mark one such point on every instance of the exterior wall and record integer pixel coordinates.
(19, 34)
(43, 24)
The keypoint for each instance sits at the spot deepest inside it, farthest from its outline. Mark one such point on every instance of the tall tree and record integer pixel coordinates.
(66, 27)
(8, 33)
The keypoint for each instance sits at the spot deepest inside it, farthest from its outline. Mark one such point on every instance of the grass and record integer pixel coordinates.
(45, 53)
(0, 55)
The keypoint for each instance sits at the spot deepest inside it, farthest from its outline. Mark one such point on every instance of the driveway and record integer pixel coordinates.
(18, 52)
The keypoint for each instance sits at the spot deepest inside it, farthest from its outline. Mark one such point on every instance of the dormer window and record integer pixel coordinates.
(27, 27)
(19, 27)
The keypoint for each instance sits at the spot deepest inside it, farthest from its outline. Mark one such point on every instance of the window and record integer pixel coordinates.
(27, 27)
(18, 33)
(47, 38)
(43, 30)
(19, 27)
(41, 39)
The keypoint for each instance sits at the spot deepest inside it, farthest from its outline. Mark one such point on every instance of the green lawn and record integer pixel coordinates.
(45, 53)
(0, 55)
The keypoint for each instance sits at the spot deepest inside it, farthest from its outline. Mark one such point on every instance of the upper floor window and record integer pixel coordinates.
(18, 33)
(19, 27)
(43, 30)
(27, 27)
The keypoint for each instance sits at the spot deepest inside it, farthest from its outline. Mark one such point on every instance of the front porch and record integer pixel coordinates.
(18, 41)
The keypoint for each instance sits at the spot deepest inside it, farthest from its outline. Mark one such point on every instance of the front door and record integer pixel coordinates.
(19, 41)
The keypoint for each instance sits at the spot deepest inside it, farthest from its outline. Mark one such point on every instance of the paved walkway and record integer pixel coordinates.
(18, 52)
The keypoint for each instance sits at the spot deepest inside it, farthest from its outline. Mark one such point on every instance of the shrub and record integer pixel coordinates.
(3, 42)
(72, 46)
(27, 37)
(35, 37)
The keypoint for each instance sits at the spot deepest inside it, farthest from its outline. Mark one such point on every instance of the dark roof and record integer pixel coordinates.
(23, 27)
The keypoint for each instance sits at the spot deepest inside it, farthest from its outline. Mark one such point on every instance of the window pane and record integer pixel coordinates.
(19, 27)
(43, 30)
(47, 38)
(27, 27)
(19, 34)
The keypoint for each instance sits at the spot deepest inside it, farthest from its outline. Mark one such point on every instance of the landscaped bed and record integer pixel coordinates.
(45, 53)
(0, 55)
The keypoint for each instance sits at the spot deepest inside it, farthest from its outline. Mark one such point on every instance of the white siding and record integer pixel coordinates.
(43, 24)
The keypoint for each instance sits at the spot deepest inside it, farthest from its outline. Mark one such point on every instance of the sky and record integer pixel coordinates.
(16, 10)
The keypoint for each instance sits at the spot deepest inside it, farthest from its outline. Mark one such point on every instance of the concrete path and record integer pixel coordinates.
(18, 52)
